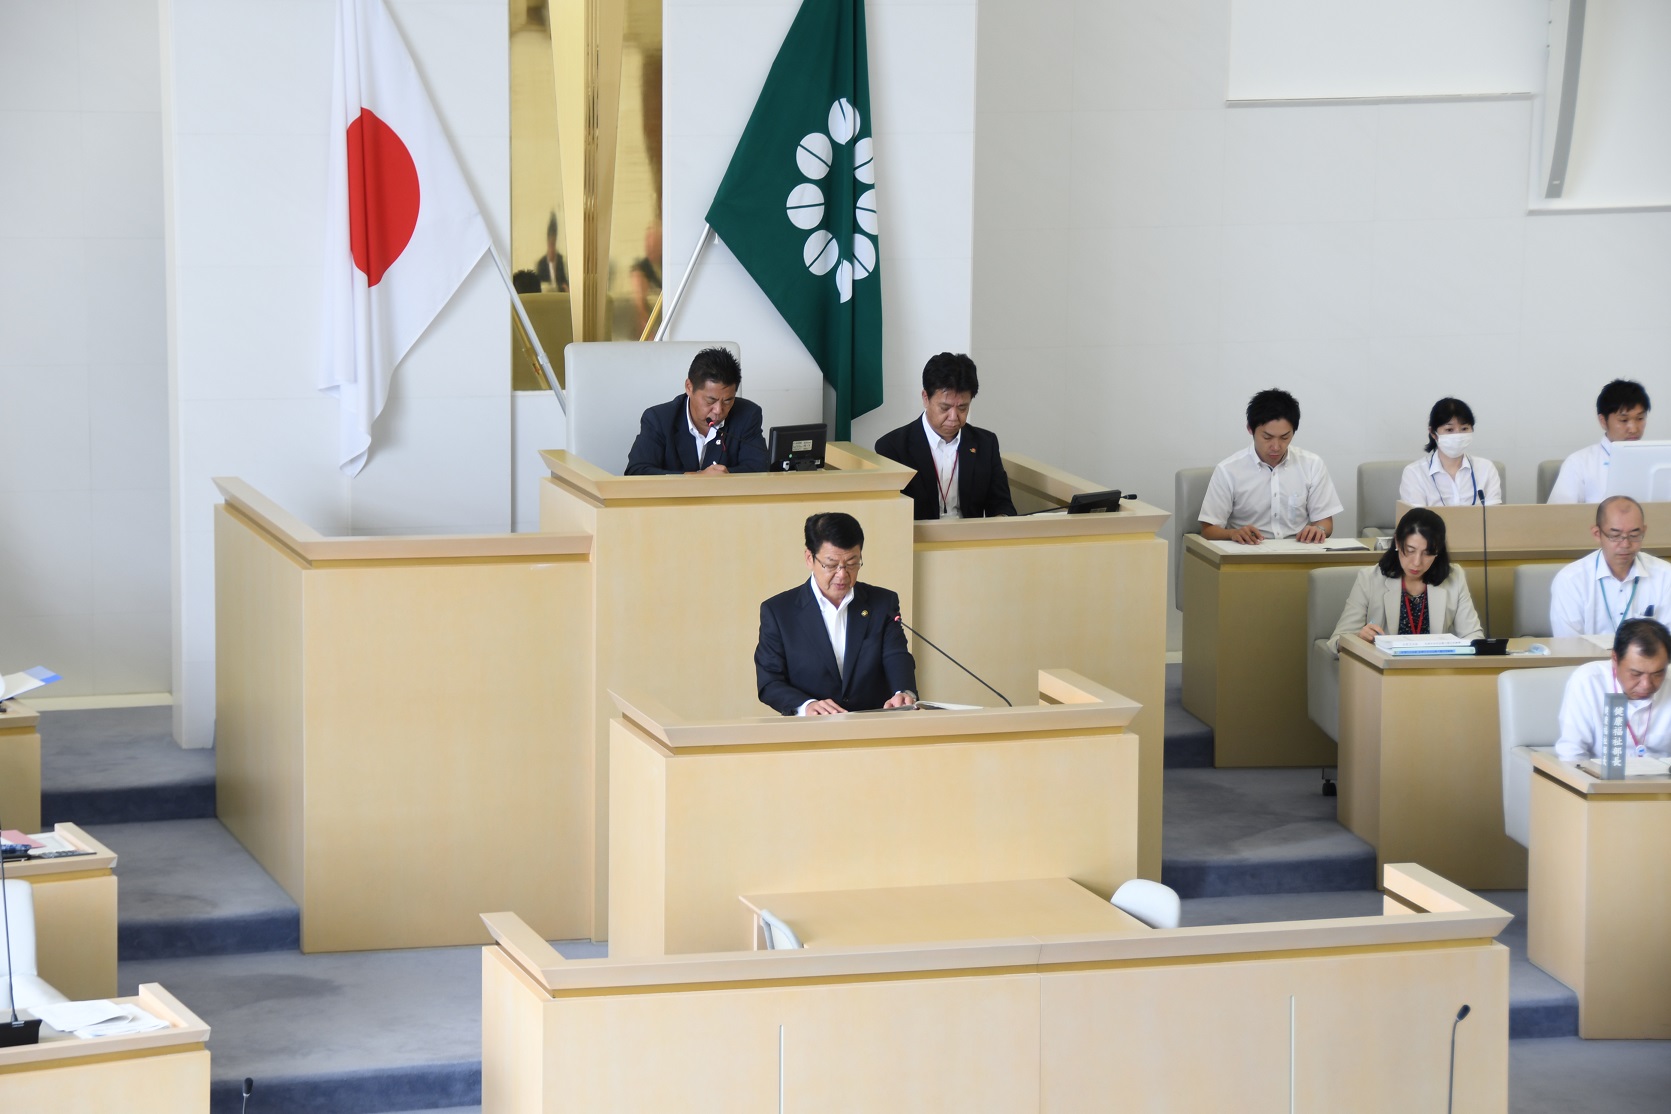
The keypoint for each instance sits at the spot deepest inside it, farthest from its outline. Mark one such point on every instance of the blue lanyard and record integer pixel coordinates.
(1473, 479)
(1636, 582)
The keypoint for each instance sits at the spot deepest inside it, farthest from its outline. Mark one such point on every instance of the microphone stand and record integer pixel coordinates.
(901, 621)
(1450, 1090)
(17, 1031)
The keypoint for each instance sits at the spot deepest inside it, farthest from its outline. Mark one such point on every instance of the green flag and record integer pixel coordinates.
(797, 206)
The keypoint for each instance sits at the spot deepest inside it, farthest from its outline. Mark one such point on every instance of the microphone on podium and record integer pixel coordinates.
(901, 621)
(1450, 1093)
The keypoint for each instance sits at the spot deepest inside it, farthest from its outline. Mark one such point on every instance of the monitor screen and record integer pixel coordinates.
(1641, 470)
(796, 448)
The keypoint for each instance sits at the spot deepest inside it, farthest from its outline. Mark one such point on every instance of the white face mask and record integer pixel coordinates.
(1454, 444)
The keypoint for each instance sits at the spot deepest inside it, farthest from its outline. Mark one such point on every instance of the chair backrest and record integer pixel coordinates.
(1152, 903)
(610, 383)
(779, 936)
(1547, 471)
(20, 904)
(1528, 715)
(1532, 584)
(1326, 590)
(1378, 495)
(1189, 488)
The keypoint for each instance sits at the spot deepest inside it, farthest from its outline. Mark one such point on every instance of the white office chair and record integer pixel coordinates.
(1325, 598)
(17, 971)
(1532, 586)
(1189, 488)
(779, 936)
(1528, 709)
(1150, 902)
(1377, 498)
(1547, 471)
(610, 383)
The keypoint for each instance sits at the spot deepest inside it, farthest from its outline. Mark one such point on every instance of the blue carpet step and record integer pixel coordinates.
(1539, 1006)
(187, 888)
(1229, 833)
(121, 765)
(349, 1033)
(1189, 742)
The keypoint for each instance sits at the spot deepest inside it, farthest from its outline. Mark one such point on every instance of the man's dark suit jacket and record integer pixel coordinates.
(664, 443)
(983, 489)
(794, 661)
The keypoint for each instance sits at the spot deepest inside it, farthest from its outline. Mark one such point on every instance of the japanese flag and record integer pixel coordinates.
(402, 227)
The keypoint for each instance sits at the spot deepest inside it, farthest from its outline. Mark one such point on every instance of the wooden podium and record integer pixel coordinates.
(20, 767)
(75, 916)
(705, 811)
(1085, 592)
(679, 567)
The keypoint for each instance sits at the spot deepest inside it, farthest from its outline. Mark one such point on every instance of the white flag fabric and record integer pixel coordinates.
(402, 226)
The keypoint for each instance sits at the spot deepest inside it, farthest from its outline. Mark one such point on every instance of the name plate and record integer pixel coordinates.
(1615, 709)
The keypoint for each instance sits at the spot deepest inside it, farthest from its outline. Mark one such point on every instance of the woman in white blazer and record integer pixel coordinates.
(1413, 589)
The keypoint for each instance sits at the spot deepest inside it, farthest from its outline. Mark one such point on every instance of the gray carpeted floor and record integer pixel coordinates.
(76, 750)
(187, 868)
(1269, 814)
(1567, 1075)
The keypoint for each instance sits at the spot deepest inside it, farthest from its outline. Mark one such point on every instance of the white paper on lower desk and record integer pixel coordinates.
(1601, 641)
(99, 1017)
(1645, 766)
(1289, 545)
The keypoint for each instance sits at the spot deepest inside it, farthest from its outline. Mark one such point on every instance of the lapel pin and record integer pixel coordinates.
(864, 614)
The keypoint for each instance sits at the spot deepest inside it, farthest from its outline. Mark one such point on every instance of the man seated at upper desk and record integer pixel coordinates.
(1600, 590)
(1622, 411)
(960, 473)
(1271, 489)
(832, 644)
(1641, 651)
(707, 429)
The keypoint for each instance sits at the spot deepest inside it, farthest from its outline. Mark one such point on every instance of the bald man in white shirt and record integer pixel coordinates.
(1600, 590)
(1271, 489)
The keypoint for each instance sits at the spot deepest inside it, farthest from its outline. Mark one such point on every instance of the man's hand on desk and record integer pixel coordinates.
(1247, 535)
(714, 469)
(1313, 533)
(901, 699)
(824, 708)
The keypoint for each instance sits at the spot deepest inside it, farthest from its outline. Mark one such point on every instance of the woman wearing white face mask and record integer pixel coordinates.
(1448, 476)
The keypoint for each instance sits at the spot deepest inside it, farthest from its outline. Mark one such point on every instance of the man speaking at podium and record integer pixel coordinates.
(707, 429)
(832, 644)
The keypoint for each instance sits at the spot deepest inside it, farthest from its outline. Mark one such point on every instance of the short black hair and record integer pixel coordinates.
(1272, 405)
(525, 282)
(1621, 395)
(1419, 520)
(835, 527)
(1649, 636)
(551, 226)
(715, 365)
(950, 371)
(1442, 413)
(1601, 509)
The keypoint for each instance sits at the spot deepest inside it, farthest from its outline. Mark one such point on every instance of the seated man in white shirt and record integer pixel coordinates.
(1622, 409)
(1641, 651)
(1600, 590)
(1270, 489)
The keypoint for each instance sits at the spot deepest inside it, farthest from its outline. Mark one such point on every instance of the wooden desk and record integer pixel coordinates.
(75, 916)
(930, 914)
(702, 811)
(1087, 593)
(20, 767)
(1359, 1010)
(377, 697)
(680, 566)
(1245, 651)
(1420, 762)
(163, 1072)
(1600, 896)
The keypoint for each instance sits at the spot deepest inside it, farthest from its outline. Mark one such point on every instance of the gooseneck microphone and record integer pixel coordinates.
(1450, 1089)
(901, 621)
(249, 1089)
(17, 1031)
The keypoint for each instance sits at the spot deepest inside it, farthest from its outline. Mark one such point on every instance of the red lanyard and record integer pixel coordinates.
(1410, 615)
(946, 491)
(1647, 728)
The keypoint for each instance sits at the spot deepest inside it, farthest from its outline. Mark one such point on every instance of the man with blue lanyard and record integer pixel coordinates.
(1600, 590)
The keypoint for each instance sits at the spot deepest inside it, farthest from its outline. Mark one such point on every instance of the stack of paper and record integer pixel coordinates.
(1409, 645)
(14, 683)
(99, 1018)
(1645, 766)
(1289, 545)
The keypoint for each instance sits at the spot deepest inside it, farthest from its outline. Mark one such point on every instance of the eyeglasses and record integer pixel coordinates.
(851, 568)
(1633, 536)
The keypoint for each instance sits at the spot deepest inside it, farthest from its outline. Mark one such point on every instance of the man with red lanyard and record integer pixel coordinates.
(1641, 652)
(960, 473)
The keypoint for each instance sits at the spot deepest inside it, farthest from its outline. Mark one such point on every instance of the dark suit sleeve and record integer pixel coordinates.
(898, 665)
(649, 449)
(998, 499)
(771, 667)
(751, 442)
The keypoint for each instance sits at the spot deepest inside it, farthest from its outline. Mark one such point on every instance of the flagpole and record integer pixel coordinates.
(528, 328)
(702, 242)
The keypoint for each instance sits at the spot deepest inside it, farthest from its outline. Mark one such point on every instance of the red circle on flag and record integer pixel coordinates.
(382, 195)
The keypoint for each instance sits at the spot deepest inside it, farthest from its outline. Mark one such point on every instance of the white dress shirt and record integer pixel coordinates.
(1583, 475)
(1586, 598)
(701, 440)
(1581, 710)
(1425, 483)
(945, 469)
(1245, 491)
(835, 624)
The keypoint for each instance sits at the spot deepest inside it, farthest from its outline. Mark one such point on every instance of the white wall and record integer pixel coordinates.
(84, 550)
(922, 81)
(1146, 258)
(246, 94)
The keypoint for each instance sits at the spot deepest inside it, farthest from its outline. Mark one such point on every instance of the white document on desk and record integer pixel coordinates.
(1645, 766)
(1289, 545)
(1600, 641)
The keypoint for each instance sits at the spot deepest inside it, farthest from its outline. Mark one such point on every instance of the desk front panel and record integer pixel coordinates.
(75, 932)
(20, 768)
(167, 1082)
(1095, 605)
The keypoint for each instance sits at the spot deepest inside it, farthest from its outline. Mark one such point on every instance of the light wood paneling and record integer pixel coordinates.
(20, 767)
(75, 916)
